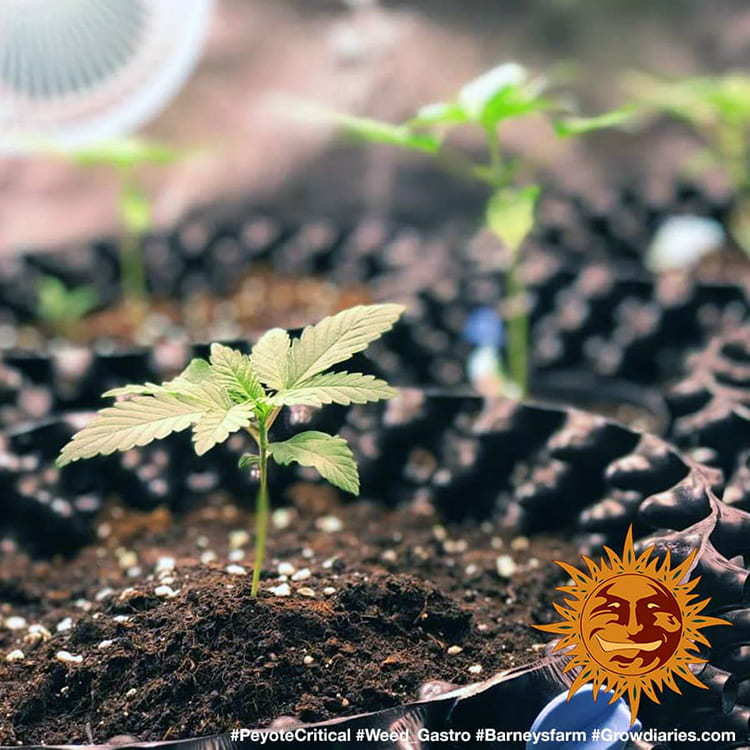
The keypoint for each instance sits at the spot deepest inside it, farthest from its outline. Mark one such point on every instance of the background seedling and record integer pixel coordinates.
(60, 307)
(718, 110)
(125, 157)
(504, 93)
(233, 391)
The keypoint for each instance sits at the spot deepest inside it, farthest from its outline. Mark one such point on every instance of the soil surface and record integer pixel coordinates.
(260, 300)
(359, 608)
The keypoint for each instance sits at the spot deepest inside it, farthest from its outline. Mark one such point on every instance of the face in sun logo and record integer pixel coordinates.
(630, 624)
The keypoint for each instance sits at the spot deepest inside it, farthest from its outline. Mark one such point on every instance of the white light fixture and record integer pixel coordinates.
(73, 72)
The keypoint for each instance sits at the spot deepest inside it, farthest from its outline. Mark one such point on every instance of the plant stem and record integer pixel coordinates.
(134, 222)
(261, 507)
(517, 317)
(518, 327)
(131, 268)
(496, 164)
(459, 165)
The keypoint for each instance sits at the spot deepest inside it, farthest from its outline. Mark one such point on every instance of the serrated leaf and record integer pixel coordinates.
(269, 358)
(335, 388)
(210, 395)
(330, 455)
(510, 214)
(131, 423)
(147, 389)
(198, 371)
(234, 371)
(336, 338)
(216, 425)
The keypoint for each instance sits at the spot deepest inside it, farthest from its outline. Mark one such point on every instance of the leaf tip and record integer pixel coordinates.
(62, 460)
(398, 309)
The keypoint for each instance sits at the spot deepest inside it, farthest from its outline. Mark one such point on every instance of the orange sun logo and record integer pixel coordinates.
(631, 624)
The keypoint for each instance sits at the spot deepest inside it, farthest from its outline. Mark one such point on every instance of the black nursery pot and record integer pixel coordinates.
(530, 467)
(435, 444)
(593, 321)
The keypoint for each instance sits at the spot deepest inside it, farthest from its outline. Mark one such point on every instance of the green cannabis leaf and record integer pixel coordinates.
(197, 372)
(216, 425)
(439, 113)
(334, 388)
(63, 307)
(131, 423)
(147, 389)
(126, 153)
(383, 132)
(234, 371)
(337, 338)
(574, 126)
(226, 394)
(125, 157)
(510, 214)
(330, 456)
(269, 358)
(501, 93)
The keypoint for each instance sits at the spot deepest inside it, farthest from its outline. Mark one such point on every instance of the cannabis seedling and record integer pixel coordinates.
(504, 93)
(125, 157)
(717, 108)
(61, 307)
(234, 391)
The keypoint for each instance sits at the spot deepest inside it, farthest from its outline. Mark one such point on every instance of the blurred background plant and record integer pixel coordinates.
(61, 308)
(503, 94)
(717, 109)
(126, 157)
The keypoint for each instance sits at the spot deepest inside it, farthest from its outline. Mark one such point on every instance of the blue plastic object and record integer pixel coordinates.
(484, 327)
(604, 723)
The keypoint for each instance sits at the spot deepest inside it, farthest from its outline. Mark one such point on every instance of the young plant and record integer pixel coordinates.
(61, 308)
(233, 391)
(504, 93)
(125, 157)
(717, 108)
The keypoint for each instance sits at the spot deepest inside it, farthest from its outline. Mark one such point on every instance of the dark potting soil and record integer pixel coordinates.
(164, 641)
